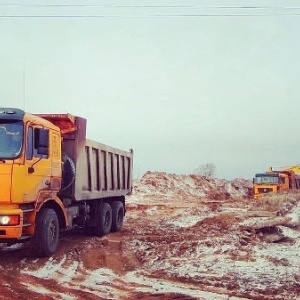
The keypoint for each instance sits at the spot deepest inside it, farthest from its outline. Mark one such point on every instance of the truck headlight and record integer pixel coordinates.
(10, 220)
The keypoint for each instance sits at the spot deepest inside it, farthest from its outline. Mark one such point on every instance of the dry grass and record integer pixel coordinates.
(281, 202)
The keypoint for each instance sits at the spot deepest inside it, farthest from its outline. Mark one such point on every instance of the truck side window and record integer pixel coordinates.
(29, 150)
(34, 146)
(41, 143)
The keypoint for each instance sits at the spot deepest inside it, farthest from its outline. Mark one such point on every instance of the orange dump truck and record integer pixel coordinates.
(53, 178)
(275, 181)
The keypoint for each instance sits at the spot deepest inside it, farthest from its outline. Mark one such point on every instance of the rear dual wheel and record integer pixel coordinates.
(104, 220)
(117, 216)
(110, 218)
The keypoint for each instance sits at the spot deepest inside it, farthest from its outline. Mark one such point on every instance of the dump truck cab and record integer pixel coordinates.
(30, 170)
(275, 181)
(269, 183)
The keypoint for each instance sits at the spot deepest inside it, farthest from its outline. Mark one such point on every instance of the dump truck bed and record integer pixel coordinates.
(101, 171)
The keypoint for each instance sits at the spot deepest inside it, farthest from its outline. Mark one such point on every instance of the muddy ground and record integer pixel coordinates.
(184, 237)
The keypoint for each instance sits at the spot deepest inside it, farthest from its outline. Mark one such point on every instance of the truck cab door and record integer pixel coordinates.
(35, 174)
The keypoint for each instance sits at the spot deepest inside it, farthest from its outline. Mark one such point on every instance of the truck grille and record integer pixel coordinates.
(265, 190)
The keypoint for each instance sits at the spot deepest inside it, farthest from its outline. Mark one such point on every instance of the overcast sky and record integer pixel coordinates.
(183, 83)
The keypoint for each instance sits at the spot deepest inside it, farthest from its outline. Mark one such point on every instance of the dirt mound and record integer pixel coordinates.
(170, 185)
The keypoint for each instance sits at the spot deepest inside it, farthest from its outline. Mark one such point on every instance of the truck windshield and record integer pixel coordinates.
(11, 136)
(266, 179)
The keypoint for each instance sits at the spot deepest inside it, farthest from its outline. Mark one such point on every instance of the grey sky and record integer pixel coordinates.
(181, 91)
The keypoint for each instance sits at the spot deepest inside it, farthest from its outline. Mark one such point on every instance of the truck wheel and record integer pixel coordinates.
(117, 216)
(68, 172)
(45, 240)
(104, 220)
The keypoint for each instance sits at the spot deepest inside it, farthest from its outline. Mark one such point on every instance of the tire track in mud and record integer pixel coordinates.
(81, 272)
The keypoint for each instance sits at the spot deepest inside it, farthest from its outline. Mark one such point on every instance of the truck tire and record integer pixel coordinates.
(68, 172)
(104, 220)
(117, 216)
(45, 240)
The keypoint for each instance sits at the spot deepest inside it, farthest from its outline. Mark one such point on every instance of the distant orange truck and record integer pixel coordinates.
(275, 181)
(53, 178)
